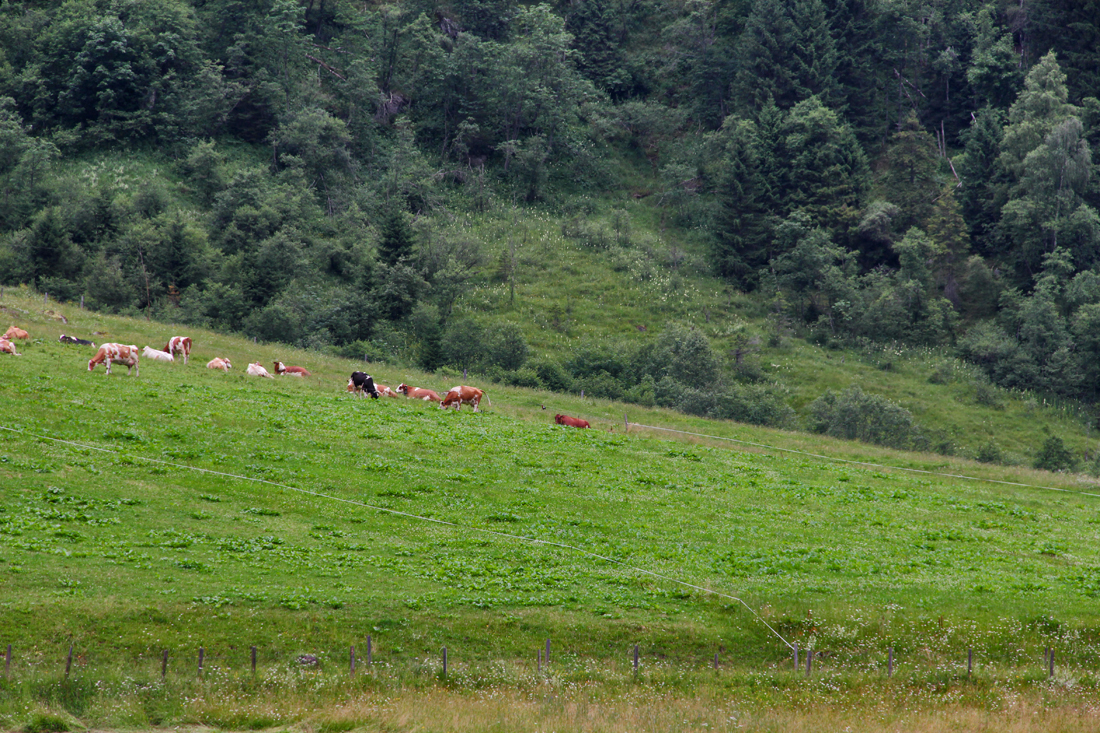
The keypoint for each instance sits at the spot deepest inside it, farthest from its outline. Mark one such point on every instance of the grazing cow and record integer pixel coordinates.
(286, 371)
(573, 422)
(178, 345)
(73, 340)
(219, 363)
(416, 393)
(362, 383)
(256, 369)
(120, 353)
(7, 347)
(16, 333)
(150, 353)
(458, 396)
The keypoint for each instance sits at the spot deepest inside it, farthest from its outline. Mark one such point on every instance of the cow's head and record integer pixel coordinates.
(403, 389)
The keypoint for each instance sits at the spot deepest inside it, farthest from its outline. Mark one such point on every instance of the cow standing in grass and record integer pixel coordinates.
(362, 384)
(458, 396)
(118, 354)
(179, 346)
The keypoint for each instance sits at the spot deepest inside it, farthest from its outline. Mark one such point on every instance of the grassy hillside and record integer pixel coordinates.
(310, 528)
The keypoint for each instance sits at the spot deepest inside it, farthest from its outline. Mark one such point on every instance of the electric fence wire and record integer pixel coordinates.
(409, 515)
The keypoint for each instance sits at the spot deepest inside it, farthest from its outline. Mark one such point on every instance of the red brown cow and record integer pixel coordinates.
(458, 395)
(116, 353)
(16, 333)
(7, 347)
(179, 346)
(291, 371)
(417, 393)
(573, 422)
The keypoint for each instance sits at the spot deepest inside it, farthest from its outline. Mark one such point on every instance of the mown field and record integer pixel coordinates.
(311, 527)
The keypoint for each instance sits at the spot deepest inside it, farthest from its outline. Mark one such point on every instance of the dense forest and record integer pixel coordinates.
(874, 170)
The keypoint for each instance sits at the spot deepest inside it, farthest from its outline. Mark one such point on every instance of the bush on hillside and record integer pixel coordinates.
(1055, 456)
(856, 415)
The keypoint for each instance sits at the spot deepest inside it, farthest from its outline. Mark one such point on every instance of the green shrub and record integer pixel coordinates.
(43, 722)
(552, 375)
(1055, 456)
(855, 415)
(990, 453)
(525, 377)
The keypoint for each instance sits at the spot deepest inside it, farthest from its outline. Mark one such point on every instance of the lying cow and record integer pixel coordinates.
(73, 340)
(179, 346)
(573, 422)
(7, 347)
(385, 391)
(116, 353)
(219, 363)
(16, 333)
(416, 393)
(256, 369)
(150, 353)
(362, 383)
(291, 371)
(457, 396)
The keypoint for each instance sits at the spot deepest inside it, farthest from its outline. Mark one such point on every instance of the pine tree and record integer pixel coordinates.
(786, 53)
(395, 242)
(911, 177)
(742, 236)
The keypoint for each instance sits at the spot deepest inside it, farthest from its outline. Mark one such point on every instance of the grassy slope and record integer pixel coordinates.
(874, 554)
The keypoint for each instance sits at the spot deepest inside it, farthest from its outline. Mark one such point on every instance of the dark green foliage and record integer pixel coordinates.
(856, 415)
(395, 241)
(1055, 456)
(786, 54)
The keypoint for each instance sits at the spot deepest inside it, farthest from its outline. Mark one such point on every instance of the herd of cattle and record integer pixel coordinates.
(359, 383)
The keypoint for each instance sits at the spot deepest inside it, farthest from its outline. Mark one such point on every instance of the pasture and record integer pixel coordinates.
(191, 508)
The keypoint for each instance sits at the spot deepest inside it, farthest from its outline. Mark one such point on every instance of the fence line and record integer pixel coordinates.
(867, 463)
(409, 515)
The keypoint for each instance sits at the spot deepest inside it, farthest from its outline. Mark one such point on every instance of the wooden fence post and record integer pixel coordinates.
(795, 654)
(352, 664)
(7, 662)
(538, 661)
(164, 665)
(1051, 662)
(202, 652)
(69, 661)
(635, 659)
(969, 661)
(716, 660)
(253, 660)
(81, 302)
(368, 650)
(444, 661)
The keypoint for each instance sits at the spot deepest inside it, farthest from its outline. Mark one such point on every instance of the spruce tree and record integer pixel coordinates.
(395, 242)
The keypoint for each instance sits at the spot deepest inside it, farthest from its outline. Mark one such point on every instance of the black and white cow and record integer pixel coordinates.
(362, 383)
(73, 340)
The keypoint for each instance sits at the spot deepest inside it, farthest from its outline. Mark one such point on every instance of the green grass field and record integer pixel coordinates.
(188, 508)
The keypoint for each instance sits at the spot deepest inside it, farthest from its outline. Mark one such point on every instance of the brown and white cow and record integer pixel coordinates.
(179, 345)
(291, 371)
(7, 347)
(118, 354)
(458, 396)
(416, 393)
(256, 369)
(150, 353)
(16, 333)
(219, 363)
(385, 391)
(573, 422)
